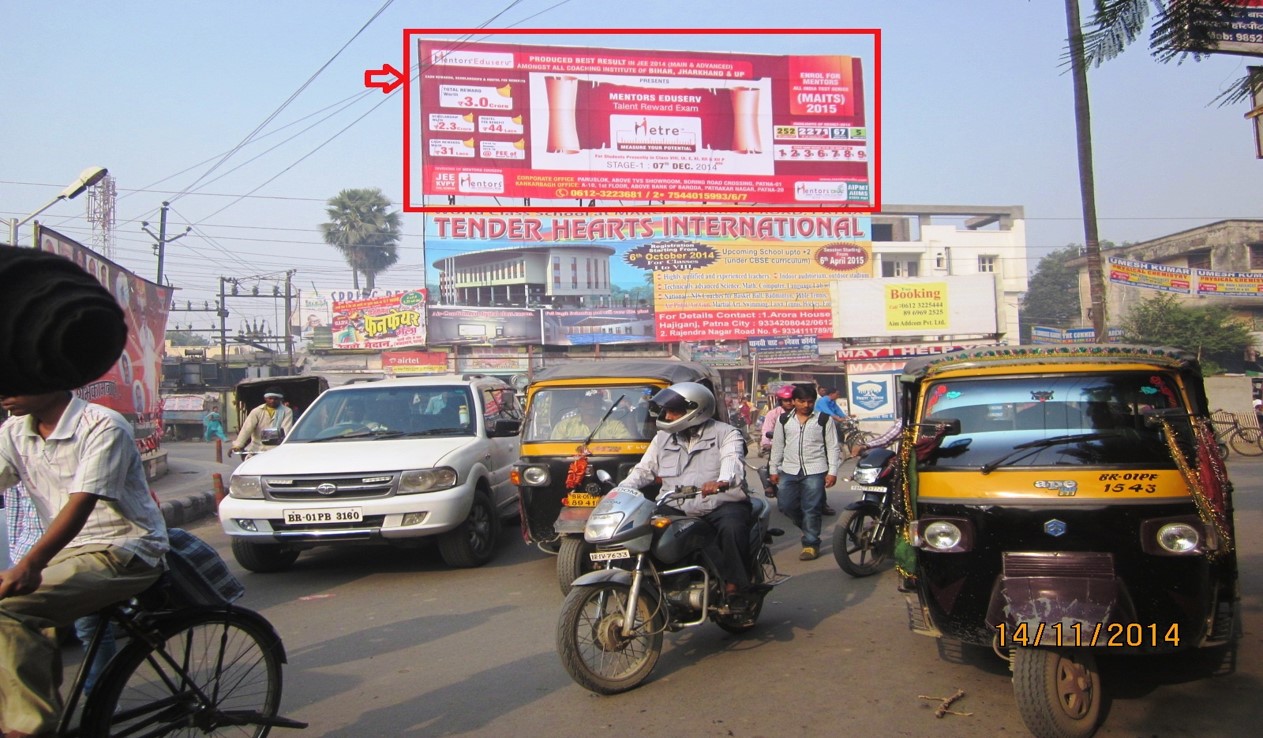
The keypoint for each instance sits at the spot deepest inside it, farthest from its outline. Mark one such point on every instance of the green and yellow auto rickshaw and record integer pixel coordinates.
(1065, 502)
(583, 417)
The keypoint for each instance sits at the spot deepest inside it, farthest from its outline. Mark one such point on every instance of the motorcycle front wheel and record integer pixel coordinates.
(591, 643)
(853, 545)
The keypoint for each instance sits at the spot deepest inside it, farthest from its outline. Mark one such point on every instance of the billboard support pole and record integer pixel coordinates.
(754, 372)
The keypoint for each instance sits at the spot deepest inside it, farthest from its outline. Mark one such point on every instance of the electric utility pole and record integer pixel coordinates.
(160, 248)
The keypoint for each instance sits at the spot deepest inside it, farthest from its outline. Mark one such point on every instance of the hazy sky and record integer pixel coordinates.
(977, 110)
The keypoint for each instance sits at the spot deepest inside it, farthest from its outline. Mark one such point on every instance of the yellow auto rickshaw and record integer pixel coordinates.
(1064, 502)
(581, 418)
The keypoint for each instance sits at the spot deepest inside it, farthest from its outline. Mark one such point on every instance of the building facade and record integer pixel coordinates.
(527, 276)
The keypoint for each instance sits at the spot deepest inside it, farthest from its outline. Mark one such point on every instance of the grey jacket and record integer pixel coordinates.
(806, 447)
(716, 455)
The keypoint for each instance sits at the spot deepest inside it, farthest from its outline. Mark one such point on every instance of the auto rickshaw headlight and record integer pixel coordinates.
(941, 535)
(601, 527)
(1179, 537)
(535, 476)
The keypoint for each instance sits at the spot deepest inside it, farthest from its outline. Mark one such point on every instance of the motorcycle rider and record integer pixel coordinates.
(691, 448)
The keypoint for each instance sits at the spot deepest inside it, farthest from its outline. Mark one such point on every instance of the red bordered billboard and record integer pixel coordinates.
(680, 128)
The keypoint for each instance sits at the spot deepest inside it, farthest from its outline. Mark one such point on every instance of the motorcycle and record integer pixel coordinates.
(865, 535)
(609, 635)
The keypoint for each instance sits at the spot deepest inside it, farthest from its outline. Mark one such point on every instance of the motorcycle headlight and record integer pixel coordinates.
(866, 475)
(941, 535)
(1178, 537)
(415, 481)
(246, 487)
(603, 526)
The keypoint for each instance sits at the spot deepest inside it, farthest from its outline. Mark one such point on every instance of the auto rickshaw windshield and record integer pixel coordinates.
(1067, 419)
(571, 413)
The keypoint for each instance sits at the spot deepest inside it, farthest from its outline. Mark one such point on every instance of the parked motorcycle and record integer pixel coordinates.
(610, 631)
(865, 535)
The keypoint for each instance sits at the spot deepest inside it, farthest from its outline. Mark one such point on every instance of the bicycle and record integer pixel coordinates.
(197, 670)
(1229, 433)
(852, 435)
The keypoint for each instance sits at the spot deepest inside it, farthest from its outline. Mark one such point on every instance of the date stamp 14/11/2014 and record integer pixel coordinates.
(1108, 635)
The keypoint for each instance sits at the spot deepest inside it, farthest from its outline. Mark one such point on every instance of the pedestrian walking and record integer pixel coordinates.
(213, 423)
(806, 458)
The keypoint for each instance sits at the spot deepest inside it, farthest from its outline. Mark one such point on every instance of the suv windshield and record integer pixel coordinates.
(387, 412)
(570, 414)
(1052, 420)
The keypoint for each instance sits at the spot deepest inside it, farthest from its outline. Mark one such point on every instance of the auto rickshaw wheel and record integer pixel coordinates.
(1058, 691)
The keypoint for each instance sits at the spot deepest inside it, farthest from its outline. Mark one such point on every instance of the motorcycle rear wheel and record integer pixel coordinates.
(853, 546)
(764, 571)
(591, 645)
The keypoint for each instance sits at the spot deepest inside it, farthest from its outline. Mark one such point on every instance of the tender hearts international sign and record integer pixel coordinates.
(686, 127)
(714, 277)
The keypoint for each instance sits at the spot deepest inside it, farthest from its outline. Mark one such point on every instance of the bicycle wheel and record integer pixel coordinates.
(1245, 441)
(213, 672)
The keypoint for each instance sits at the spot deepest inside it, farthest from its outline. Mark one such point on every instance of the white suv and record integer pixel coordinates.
(382, 461)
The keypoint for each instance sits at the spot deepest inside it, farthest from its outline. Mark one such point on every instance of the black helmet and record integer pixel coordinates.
(694, 400)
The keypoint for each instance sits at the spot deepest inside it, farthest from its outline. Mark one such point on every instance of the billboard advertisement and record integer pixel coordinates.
(565, 122)
(573, 327)
(313, 312)
(872, 396)
(714, 277)
(785, 349)
(1229, 284)
(915, 307)
(455, 326)
(400, 363)
(379, 323)
(131, 386)
(1150, 276)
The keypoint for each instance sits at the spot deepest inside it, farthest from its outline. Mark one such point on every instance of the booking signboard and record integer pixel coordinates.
(689, 128)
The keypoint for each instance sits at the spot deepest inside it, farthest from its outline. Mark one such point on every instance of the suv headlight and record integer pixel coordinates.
(246, 487)
(414, 481)
(603, 526)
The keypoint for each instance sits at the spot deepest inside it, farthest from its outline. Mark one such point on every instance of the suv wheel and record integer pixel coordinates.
(263, 558)
(473, 542)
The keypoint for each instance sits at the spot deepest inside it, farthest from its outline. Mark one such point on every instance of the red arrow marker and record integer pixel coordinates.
(387, 78)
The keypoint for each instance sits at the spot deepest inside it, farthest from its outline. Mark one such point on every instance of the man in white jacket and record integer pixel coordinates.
(806, 457)
(691, 448)
(272, 415)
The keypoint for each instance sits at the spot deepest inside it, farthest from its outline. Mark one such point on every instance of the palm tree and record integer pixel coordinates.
(362, 227)
(1181, 27)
